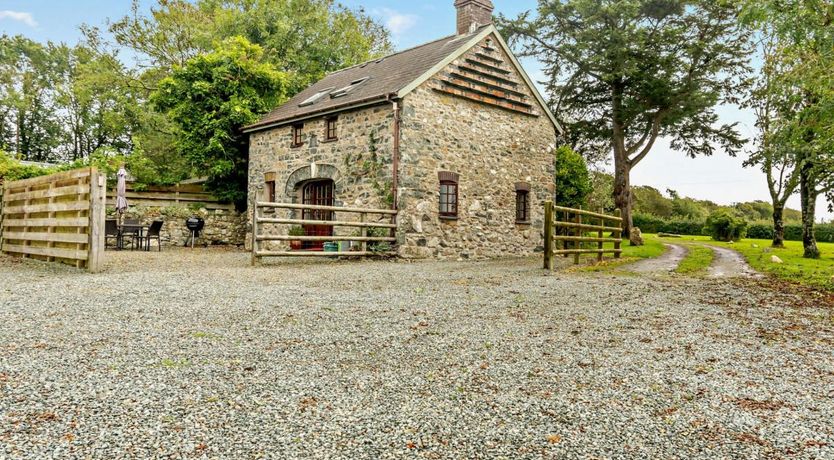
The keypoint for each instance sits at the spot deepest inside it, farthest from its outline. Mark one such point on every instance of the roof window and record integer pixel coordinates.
(348, 89)
(316, 97)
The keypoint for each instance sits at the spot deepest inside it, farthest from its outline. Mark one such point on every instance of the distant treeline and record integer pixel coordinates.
(658, 212)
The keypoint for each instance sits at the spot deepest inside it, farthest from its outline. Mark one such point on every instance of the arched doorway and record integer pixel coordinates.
(317, 192)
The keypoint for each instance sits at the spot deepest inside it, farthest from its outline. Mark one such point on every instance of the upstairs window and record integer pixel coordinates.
(297, 132)
(448, 195)
(522, 202)
(331, 124)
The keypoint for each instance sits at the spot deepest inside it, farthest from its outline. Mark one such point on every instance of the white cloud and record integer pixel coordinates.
(19, 16)
(398, 23)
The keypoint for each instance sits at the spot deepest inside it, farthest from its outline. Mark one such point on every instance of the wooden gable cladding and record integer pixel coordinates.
(483, 75)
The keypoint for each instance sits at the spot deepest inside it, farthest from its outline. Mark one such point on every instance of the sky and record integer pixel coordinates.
(720, 178)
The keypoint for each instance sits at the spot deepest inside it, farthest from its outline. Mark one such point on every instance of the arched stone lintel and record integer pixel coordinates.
(311, 172)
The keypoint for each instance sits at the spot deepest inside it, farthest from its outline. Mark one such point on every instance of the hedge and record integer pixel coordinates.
(761, 231)
(651, 224)
(793, 232)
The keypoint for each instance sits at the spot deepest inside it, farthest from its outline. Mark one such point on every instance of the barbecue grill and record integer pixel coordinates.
(195, 225)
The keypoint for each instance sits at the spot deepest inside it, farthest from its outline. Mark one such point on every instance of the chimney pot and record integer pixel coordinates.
(473, 14)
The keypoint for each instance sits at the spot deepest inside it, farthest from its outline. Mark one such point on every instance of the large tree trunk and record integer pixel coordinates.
(622, 166)
(622, 191)
(808, 195)
(778, 226)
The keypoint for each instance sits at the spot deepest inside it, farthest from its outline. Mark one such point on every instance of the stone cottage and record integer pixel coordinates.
(452, 133)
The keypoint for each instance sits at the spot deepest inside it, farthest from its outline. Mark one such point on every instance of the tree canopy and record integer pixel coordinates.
(623, 73)
(211, 98)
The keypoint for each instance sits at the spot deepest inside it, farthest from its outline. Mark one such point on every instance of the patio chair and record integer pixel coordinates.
(111, 232)
(153, 234)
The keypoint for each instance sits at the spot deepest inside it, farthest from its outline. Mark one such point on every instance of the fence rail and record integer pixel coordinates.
(568, 226)
(56, 218)
(262, 218)
(155, 196)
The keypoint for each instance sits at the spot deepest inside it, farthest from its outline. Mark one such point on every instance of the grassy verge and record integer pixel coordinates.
(809, 272)
(697, 261)
(653, 248)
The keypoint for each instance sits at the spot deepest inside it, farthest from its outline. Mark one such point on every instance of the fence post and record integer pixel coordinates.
(600, 245)
(254, 261)
(618, 235)
(95, 247)
(2, 201)
(548, 235)
(363, 232)
(579, 234)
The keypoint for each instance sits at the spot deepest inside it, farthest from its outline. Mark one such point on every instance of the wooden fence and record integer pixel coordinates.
(183, 194)
(571, 228)
(266, 214)
(56, 218)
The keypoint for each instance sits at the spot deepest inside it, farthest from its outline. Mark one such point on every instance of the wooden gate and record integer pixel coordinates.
(580, 232)
(56, 218)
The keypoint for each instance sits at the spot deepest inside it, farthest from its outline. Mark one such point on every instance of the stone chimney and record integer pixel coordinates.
(473, 14)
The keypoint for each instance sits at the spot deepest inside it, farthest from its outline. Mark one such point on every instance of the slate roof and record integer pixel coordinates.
(384, 76)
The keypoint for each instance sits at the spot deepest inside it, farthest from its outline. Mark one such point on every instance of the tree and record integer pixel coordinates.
(304, 38)
(770, 101)
(627, 72)
(806, 27)
(211, 98)
(573, 182)
(30, 128)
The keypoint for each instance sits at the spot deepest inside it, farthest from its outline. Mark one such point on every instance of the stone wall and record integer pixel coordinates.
(222, 227)
(359, 161)
(491, 149)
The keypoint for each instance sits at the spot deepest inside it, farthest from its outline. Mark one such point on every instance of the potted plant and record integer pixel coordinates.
(296, 245)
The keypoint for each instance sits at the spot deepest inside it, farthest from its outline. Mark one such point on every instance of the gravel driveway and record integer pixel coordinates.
(197, 355)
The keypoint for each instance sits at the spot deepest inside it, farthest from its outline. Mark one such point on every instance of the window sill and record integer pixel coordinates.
(329, 141)
(296, 146)
(523, 222)
(449, 218)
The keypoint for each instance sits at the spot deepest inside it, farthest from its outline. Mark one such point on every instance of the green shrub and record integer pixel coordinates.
(12, 170)
(573, 181)
(648, 223)
(723, 226)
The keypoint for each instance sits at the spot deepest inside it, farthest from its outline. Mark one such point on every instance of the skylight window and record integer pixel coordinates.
(316, 97)
(348, 89)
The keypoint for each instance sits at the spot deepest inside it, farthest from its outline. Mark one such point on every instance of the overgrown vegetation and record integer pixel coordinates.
(211, 98)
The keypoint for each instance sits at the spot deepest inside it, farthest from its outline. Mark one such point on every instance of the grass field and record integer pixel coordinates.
(817, 273)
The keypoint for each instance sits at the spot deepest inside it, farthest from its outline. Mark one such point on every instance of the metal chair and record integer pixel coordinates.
(154, 232)
(111, 232)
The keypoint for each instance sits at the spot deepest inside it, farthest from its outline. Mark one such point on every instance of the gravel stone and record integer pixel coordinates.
(198, 355)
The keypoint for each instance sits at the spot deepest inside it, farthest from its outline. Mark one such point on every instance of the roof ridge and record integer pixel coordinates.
(447, 37)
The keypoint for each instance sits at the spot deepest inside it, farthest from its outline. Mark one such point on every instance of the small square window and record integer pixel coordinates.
(297, 132)
(522, 206)
(448, 199)
(332, 124)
